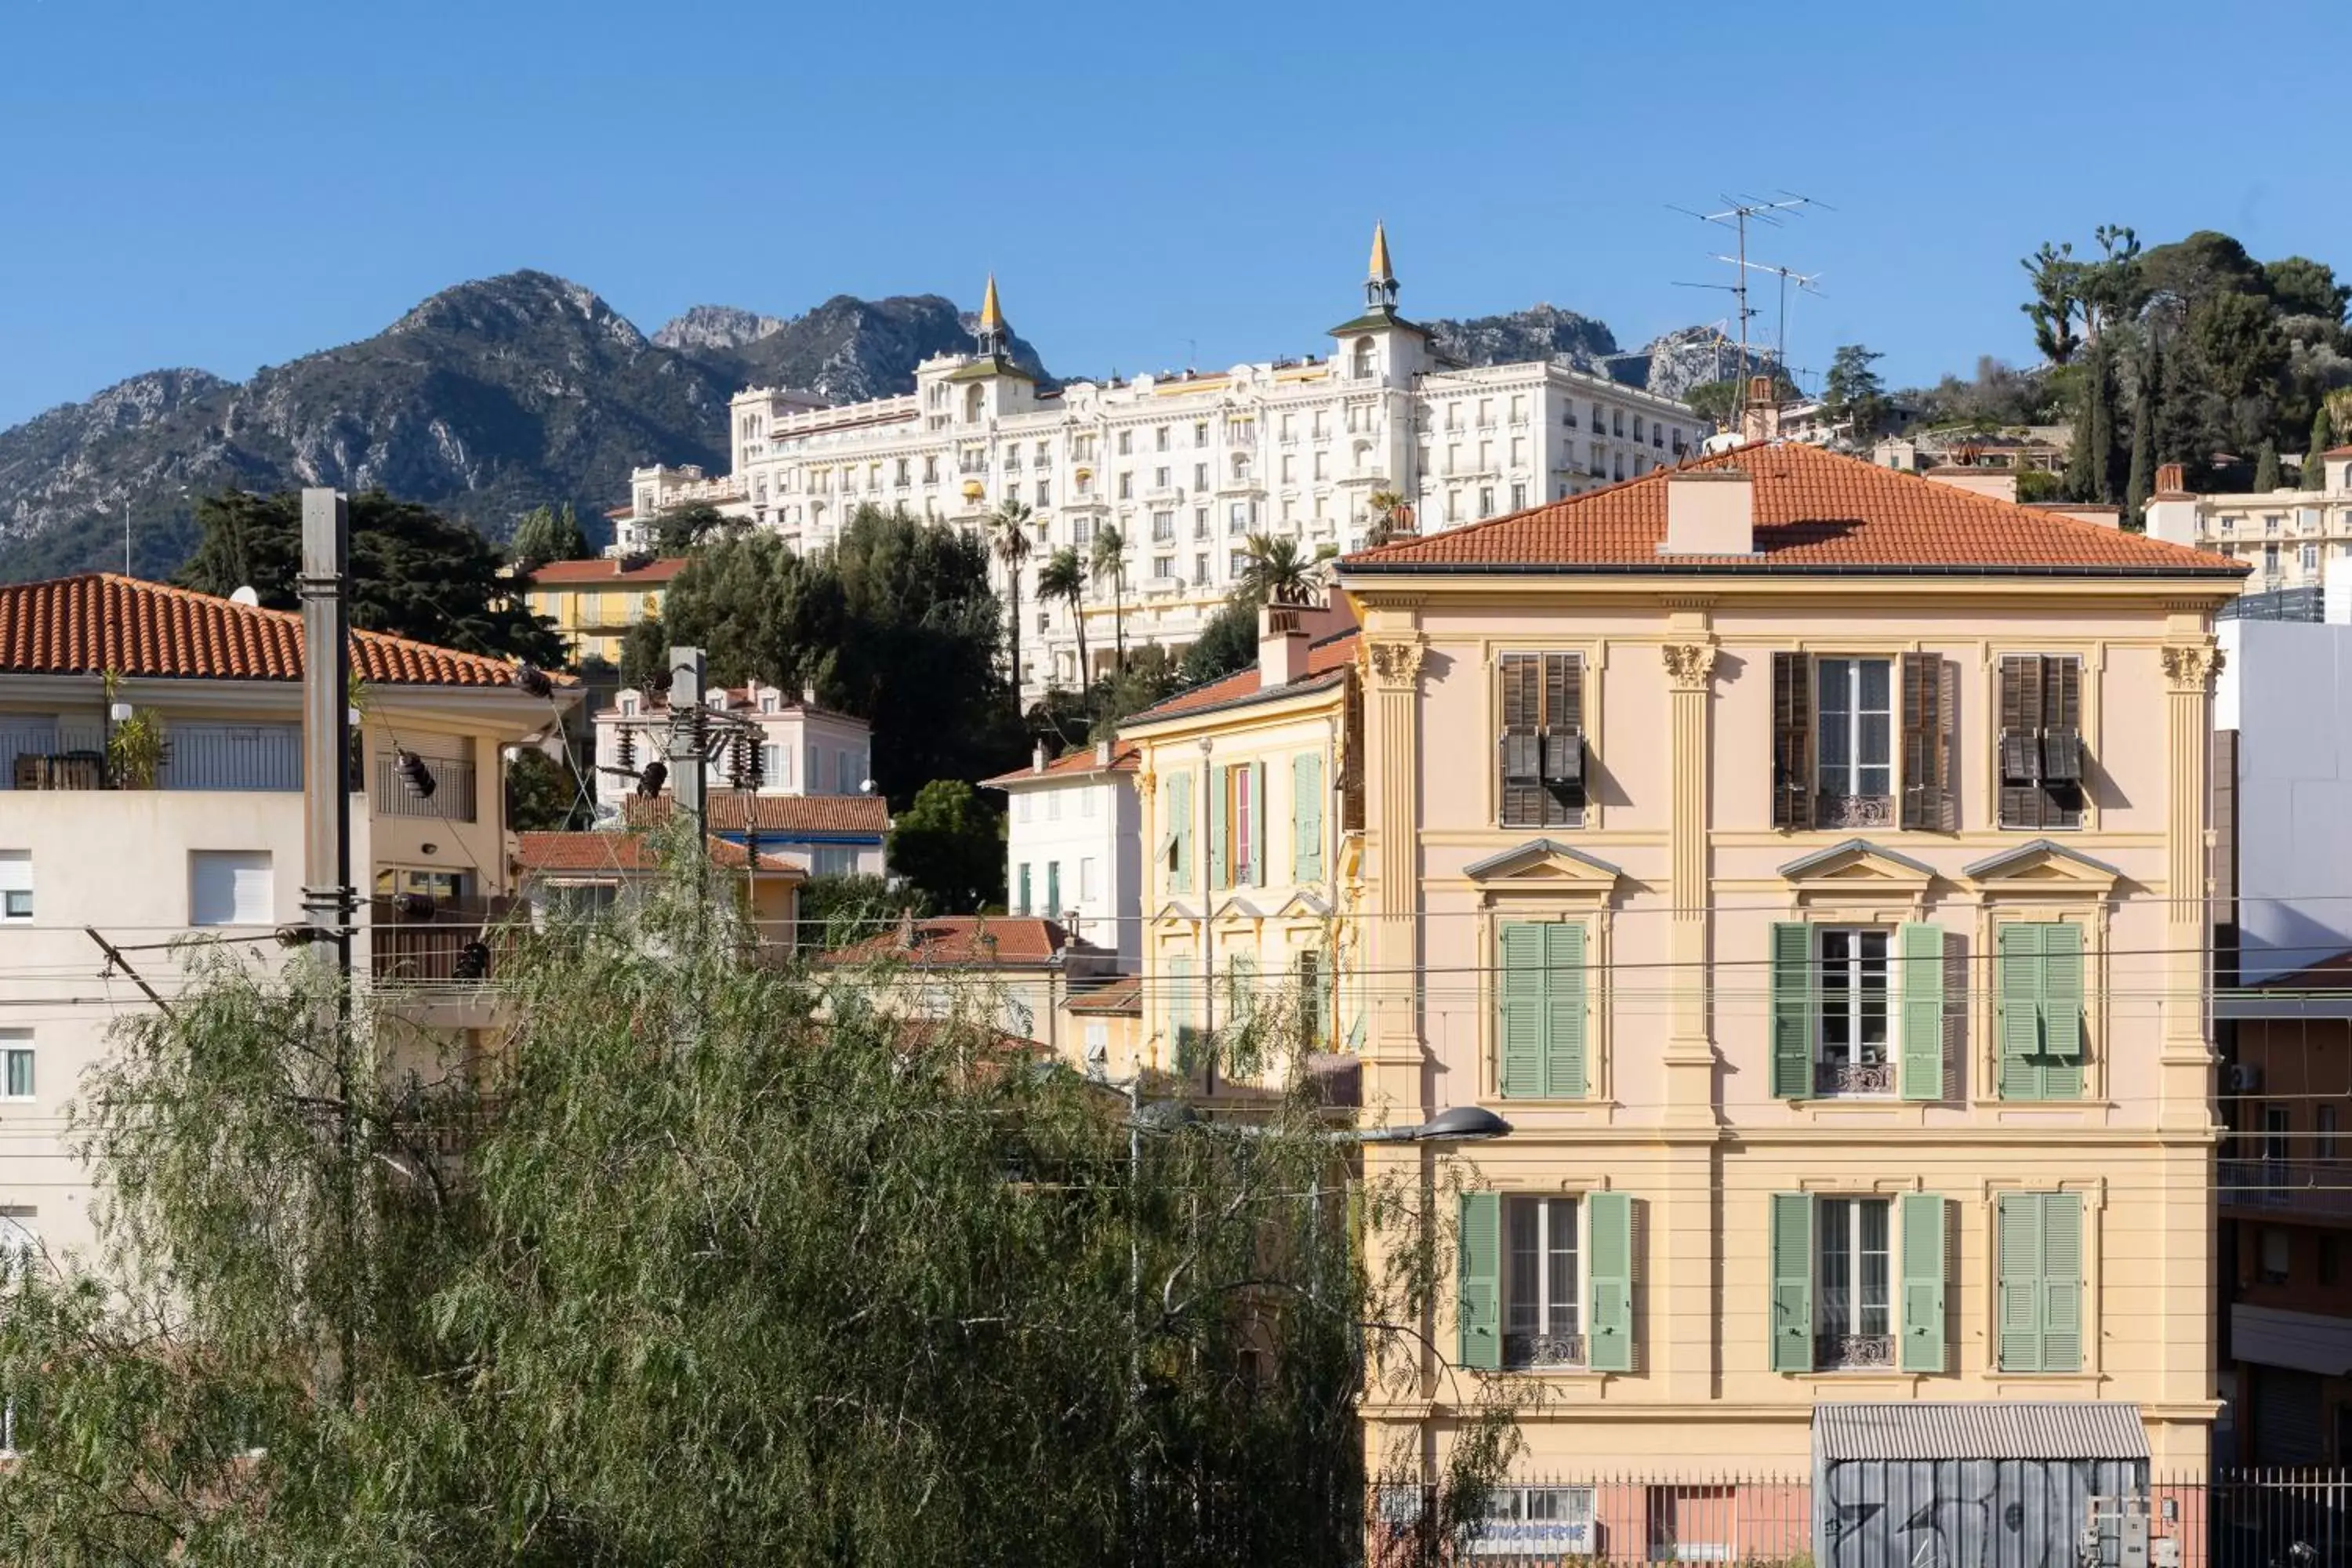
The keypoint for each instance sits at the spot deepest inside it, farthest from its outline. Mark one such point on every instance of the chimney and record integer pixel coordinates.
(1102, 753)
(1037, 759)
(1709, 512)
(2170, 479)
(1761, 419)
(808, 694)
(1281, 646)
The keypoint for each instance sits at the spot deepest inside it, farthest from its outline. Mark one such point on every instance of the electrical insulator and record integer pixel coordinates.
(413, 906)
(532, 680)
(474, 961)
(414, 774)
(745, 763)
(650, 781)
(627, 749)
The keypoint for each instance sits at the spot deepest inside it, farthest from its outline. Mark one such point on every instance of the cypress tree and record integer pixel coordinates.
(2266, 466)
(2323, 437)
(2142, 445)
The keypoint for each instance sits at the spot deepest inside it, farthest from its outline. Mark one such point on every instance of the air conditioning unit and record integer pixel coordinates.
(2243, 1077)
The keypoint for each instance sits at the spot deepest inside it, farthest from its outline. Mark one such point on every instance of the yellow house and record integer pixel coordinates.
(1808, 859)
(594, 603)
(1250, 824)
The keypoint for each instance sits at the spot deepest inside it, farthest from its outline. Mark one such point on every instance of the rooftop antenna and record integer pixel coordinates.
(1804, 282)
(1738, 213)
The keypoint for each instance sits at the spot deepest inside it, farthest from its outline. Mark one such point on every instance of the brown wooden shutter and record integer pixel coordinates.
(2061, 742)
(1793, 741)
(1927, 785)
(1563, 744)
(2020, 737)
(1520, 747)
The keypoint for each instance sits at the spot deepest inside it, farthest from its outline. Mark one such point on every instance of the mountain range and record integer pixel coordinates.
(495, 397)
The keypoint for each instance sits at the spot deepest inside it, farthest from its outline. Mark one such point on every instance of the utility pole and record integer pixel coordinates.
(326, 897)
(1739, 212)
(126, 533)
(689, 725)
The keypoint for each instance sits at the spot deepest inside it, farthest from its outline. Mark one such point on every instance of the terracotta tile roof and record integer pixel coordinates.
(625, 852)
(607, 571)
(1123, 997)
(982, 941)
(1816, 512)
(1123, 760)
(101, 621)
(1327, 664)
(725, 810)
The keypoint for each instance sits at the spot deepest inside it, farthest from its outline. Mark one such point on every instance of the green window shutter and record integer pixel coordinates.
(1524, 1024)
(1792, 1009)
(1053, 909)
(1609, 1247)
(1259, 837)
(1243, 988)
(1024, 888)
(1306, 817)
(1221, 797)
(1479, 1314)
(2018, 1246)
(1921, 1216)
(2061, 990)
(2062, 1281)
(1564, 1053)
(1920, 1067)
(1180, 812)
(2018, 985)
(1792, 1281)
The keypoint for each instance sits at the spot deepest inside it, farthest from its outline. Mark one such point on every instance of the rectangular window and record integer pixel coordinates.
(2039, 1253)
(833, 861)
(1240, 804)
(15, 1064)
(16, 884)
(1851, 1056)
(1159, 478)
(1164, 526)
(1833, 743)
(1163, 566)
(1518, 496)
(230, 888)
(1053, 909)
(1540, 1019)
(1313, 1007)
(1542, 743)
(1854, 742)
(2323, 1145)
(775, 766)
(1852, 1299)
(2038, 983)
(1201, 569)
(2278, 1142)
(1541, 1278)
(1851, 1294)
(1160, 439)
(2040, 742)
(2275, 1253)
(1021, 882)
(1087, 888)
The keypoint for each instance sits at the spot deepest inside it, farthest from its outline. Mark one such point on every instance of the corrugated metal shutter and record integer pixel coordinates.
(2289, 1428)
(1980, 1429)
(234, 757)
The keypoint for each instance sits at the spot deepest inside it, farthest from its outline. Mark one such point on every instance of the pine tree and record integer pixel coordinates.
(2266, 467)
(2142, 444)
(2090, 467)
(2323, 437)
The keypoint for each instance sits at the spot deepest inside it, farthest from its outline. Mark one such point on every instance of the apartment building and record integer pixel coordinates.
(1253, 828)
(1808, 859)
(1073, 848)
(208, 845)
(803, 749)
(2287, 537)
(594, 603)
(1185, 466)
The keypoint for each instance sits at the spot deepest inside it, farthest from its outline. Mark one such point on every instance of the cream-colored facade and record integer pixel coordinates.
(2287, 537)
(1775, 1101)
(1251, 877)
(1185, 466)
(594, 603)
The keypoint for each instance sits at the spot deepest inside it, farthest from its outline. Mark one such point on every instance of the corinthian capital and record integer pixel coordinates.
(1395, 663)
(2188, 667)
(1690, 666)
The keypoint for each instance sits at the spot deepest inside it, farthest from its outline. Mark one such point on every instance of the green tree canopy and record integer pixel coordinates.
(734, 1268)
(414, 572)
(2299, 286)
(950, 845)
(684, 528)
(545, 795)
(1853, 393)
(1227, 643)
(547, 533)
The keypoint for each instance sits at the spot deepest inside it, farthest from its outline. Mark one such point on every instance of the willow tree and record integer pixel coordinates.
(699, 1262)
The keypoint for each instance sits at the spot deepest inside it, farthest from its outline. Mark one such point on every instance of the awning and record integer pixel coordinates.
(2052, 1430)
(2302, 1342)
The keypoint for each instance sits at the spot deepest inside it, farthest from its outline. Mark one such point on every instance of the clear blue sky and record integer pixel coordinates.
(233, 182)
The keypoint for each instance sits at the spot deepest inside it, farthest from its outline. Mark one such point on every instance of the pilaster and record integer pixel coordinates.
(2186, 1057)
(1689, 1055)
(1394, 651)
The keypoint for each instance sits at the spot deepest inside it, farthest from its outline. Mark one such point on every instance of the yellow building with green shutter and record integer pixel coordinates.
(1809, 861)
(594, 603)
(1250, 824)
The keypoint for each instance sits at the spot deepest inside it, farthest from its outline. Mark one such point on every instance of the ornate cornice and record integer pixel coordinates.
(2189, 667)
(1690, 666)
(1395, 663)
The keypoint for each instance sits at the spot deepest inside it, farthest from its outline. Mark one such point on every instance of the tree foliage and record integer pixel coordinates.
(547, 533)
(412, 571)
(1852, 393)
(734, 1268)
(949, 844)
(544, 796)
(683, 529)
(1228, 645)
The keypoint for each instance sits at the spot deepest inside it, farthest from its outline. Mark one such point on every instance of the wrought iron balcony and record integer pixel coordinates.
(1854, 1352)
(1844, 1080)
(1854, 810)
(1539, 1352)
(2318, 1189)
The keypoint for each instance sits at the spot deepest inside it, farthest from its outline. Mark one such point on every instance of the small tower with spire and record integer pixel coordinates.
(993, 336)
(971, 390)
(1379, 280)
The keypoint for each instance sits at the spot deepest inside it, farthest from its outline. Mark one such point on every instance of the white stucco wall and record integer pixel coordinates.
(2286, 688)
(1069, 822)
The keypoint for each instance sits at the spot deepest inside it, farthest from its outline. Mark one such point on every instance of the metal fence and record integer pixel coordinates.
(2011, 1514)
(2277, 605)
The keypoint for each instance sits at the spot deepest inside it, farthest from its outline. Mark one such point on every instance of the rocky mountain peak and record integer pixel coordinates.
(514, 306)
(715, 327)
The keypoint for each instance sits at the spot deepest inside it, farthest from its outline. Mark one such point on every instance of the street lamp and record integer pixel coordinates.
(1455, 1124)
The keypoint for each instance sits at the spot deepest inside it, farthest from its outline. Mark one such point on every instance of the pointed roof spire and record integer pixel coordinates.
(1380, 271)
(992, 316)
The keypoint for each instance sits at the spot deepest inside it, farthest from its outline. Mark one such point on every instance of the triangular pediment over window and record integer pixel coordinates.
(1858, 864)
(2044, 865)
(1544, 866)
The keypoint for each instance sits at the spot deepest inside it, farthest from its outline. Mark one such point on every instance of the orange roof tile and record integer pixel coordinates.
(1326, 663)
(1816, 512)
(101, 621)
(724, 811)
(608, 570)
(1007, 941)
(1123, 760)
(1123, 997)
(624, 852)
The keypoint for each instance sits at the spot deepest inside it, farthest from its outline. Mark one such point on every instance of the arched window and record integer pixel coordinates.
(975, 400)
(1363, 457)
(1366, 356)
(1241, 467)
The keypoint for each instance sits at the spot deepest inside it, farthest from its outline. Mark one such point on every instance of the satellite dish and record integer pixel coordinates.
(244, 595)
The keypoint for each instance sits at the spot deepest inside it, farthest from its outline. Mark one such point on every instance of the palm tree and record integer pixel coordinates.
(1008, 528)
(1275, 573)
(1064, 577)
(1386, 506)
(1110, 560)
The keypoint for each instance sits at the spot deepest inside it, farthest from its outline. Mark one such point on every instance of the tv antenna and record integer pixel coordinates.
(1804, 282)
(1738, 213)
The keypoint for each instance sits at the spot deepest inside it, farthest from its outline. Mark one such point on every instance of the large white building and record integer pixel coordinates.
(1184, 465)
(1073, 847)
(2287, 536)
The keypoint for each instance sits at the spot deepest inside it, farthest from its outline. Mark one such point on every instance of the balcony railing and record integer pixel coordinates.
(1537, 1352)
(1854, 1352)
(2318, 1188)
(418, 942)
(1840, 1081)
